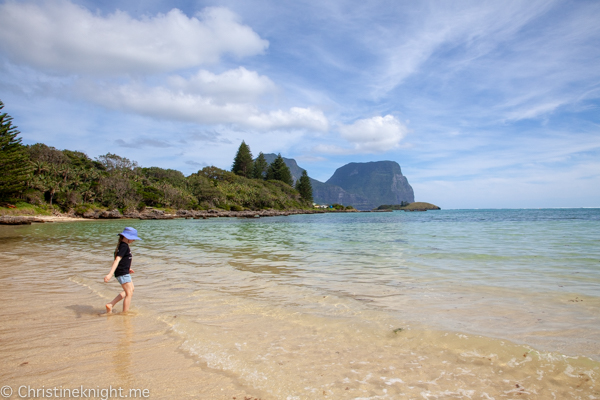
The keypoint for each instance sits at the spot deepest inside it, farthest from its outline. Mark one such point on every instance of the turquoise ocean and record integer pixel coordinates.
(267, 299)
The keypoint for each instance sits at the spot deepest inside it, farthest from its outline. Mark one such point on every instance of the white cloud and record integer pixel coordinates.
(520, 60)
(236, 85)
(374, 135)
(58, 35)
(167, 103)
(296, 117)
(534, 110)
(475, 27)
(66, 37)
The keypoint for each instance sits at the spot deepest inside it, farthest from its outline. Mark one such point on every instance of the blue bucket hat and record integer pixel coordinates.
(130, 233)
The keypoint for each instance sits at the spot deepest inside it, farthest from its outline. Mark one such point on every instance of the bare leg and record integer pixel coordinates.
(109, 306)
(128, 290)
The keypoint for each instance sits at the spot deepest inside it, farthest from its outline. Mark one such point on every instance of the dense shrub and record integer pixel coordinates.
(71, 180)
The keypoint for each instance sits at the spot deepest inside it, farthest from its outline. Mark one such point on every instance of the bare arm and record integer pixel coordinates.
(112, 269)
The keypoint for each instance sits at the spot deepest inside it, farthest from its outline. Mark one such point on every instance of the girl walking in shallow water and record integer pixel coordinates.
(121, 268)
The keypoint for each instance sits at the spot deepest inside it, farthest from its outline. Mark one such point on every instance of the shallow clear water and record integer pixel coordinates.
(267, 298)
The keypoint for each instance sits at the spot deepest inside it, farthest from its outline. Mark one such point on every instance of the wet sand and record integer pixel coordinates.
(54, 334)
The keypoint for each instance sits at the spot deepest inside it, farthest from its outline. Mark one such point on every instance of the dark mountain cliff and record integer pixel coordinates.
(362, 185)
(324, 193)
(380, 182)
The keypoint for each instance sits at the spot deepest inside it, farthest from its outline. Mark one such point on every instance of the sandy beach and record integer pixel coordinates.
(29, 219)
(55, 335)
(60, 218)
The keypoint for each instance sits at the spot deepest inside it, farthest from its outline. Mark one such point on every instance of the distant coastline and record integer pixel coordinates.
(29, 215)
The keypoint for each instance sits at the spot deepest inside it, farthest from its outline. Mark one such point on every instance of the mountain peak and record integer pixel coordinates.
(379, 182)
(362, 185)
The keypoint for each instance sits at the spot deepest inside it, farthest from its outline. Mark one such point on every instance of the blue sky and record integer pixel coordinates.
(483, 104)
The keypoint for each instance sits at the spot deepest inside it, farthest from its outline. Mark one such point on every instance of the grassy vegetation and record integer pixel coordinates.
(416, 206)
(420, 205)
(22, 208)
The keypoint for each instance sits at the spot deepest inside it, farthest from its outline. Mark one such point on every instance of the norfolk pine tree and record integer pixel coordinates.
(279, 171)
(242, 164)
(304, 187)
(260, 167)
(14, 161)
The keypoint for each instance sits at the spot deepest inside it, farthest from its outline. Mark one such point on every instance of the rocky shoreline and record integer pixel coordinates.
(192, 214)
(20, 220)
(153, 214)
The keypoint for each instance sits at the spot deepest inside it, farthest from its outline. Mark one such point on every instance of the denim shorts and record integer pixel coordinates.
(123, 278)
